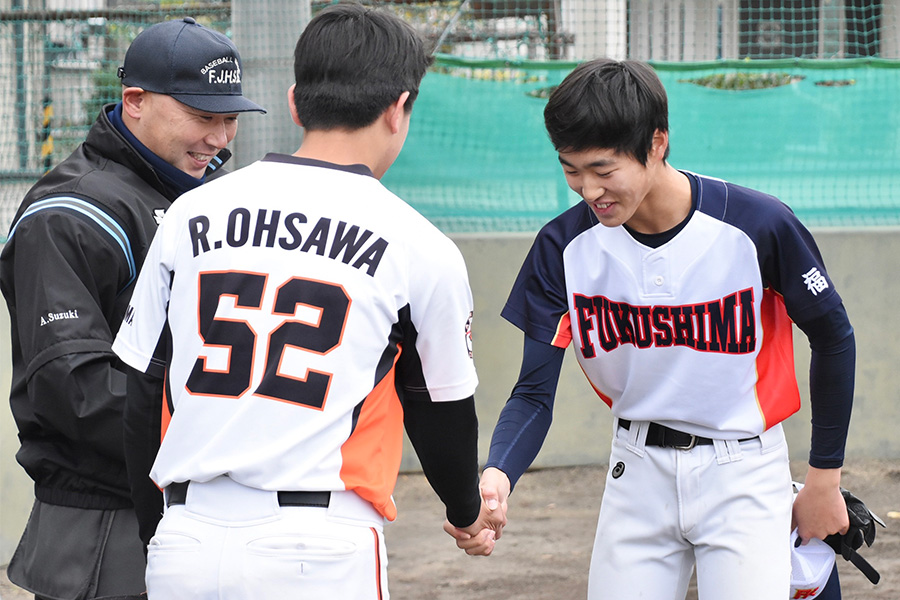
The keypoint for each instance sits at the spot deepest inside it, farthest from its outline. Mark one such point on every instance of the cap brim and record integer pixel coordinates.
(811, 566)
(219, 103)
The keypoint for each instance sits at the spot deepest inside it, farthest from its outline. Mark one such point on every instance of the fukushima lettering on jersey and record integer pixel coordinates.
(724, 325)
(300, 296)
(696, 333)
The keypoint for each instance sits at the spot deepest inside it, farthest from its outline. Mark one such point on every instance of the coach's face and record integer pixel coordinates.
(184, 137)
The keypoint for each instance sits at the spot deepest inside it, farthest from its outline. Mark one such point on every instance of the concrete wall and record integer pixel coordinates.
(862, 263)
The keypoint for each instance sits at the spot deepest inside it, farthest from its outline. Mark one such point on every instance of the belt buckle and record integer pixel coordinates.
(688, 446)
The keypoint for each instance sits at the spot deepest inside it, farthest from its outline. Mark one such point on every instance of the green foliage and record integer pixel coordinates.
(836, 82)
(542, 93)
(740, 80)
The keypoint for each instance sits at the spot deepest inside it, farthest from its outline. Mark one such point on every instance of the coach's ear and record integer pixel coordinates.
(133, 101)
(292, 106)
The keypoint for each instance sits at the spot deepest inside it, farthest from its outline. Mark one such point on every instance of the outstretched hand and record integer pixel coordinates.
(480, 537)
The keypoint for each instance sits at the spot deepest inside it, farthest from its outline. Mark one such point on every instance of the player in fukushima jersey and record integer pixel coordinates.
(678, 293)
(309, 314)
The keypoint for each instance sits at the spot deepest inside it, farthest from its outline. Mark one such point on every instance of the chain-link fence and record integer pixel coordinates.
(795, 97)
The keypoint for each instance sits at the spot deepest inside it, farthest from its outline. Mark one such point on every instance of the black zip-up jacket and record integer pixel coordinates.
(67, 271)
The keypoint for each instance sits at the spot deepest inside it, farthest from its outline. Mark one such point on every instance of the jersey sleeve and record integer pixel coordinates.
(791, 264)
(440, 311)
(145, 318)
(537, 302)
(789, 259)
(437, 376)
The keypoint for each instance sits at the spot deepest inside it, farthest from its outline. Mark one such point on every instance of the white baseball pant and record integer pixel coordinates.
(725, 507)
(231, 542)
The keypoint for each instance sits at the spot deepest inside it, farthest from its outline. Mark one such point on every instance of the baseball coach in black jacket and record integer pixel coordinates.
(67, 270)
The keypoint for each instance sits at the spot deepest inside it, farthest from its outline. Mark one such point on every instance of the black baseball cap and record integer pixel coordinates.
(196, 65)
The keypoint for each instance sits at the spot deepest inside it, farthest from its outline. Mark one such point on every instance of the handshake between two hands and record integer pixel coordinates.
(480, 537)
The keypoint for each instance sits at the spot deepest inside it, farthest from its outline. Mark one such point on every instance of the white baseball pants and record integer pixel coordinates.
(725, 507)
(231, 542)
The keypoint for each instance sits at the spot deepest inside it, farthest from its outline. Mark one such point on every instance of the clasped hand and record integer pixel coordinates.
(480, 537)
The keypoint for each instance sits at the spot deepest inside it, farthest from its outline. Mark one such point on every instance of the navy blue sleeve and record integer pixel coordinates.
(526, 417)
(831, 382)
(537, 302)
(789, 259)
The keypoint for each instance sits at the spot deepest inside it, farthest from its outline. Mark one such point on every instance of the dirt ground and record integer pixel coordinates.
(545, 550)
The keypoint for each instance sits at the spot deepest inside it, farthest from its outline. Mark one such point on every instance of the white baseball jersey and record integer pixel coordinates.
(301, 296)
(695, 334)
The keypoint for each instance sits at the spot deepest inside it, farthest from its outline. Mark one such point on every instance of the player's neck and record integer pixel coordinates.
(667, 203)
(343, 147)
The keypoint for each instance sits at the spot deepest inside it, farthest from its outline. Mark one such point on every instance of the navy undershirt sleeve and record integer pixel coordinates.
(831, 382)
(526, 417)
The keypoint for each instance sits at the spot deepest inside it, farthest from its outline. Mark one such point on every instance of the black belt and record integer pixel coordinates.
(177, 494)
(666, 437)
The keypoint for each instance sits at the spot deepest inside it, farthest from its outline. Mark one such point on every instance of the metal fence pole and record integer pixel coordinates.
(265, 32)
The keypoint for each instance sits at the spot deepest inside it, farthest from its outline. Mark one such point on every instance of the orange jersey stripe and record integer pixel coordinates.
(776, 386)
(563, 336)
(372, 453)
(606, 399)
(166, 416)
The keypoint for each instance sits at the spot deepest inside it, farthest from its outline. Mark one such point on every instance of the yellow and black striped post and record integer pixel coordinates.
(47, 135)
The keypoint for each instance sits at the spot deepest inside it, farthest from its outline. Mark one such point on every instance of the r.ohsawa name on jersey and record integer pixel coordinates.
(61, 316)
(727, 325)
(339, 241)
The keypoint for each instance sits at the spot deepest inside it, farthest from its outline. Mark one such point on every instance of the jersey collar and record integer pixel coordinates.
(358, 169)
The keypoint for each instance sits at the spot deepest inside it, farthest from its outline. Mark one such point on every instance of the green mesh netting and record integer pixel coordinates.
(477, 158)
(828, 144)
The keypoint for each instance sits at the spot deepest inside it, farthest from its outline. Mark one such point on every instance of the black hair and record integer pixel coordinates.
(607, 103)
(351, 62)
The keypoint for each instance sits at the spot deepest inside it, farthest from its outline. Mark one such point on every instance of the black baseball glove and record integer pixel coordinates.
(862, 529)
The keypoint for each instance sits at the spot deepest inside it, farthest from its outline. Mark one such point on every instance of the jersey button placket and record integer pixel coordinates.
(656, 276)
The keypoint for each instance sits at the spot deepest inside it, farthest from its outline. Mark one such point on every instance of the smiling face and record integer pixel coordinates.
(617, 187)
(614, 185)
(184, 137)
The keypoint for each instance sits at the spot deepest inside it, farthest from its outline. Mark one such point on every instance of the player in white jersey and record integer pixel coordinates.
(302, 314)
(678, 293)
